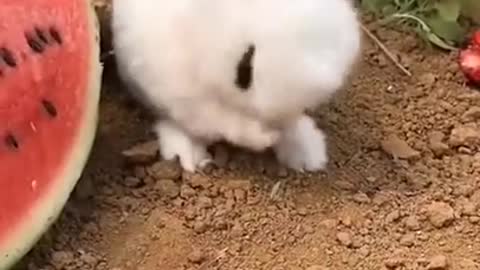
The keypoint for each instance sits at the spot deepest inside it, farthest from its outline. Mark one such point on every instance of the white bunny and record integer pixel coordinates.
(243, 71)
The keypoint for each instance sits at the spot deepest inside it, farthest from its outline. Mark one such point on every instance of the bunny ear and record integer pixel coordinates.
(244, 76)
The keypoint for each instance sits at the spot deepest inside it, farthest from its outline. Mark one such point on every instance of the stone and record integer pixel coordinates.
(440, 214)
(398, 148)
(345, 239)
(142, 153)
(438, 262)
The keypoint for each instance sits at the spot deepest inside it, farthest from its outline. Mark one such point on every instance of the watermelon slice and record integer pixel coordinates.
(50, 77)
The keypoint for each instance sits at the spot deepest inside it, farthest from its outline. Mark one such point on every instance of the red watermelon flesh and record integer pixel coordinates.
(49, 91)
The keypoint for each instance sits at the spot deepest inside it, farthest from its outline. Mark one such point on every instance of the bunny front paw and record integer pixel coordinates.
(302, 146)
(175, 142)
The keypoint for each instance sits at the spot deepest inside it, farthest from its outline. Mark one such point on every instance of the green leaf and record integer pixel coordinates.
(425, 33)
(450, 31)
(449, 10)
(426, 5)
(389, 9)
(438, 41)
(440, 22)
(405, 5)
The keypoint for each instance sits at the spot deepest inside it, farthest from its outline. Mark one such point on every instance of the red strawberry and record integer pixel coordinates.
(470, 63)
(476, 39)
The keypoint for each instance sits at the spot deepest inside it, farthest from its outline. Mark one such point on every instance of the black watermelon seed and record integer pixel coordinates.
(55, 35)
(11, 142)
(8, 57)
(49, 108)
(41, 35)
(35, 44)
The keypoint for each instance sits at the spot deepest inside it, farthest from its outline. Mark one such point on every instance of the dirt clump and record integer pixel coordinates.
(440, 214)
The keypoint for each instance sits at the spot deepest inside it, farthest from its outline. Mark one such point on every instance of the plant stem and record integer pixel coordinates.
(386, 51)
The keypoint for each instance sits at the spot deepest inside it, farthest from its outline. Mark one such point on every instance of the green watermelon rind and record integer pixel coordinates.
(48, 208)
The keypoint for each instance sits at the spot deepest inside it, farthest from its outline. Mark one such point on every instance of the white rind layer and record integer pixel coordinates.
(49, 207)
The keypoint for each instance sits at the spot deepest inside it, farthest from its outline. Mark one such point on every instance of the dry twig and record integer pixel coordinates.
(385, 50)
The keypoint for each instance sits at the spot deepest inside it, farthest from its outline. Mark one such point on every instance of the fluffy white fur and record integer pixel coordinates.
(182, 55)
(302, 146)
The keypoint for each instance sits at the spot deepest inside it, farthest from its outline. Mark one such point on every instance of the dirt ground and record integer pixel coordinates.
(402, 189)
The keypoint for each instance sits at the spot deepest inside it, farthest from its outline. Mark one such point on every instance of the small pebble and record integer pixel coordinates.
(398, 148)
(440, 214)
(395, 262)
(392, 216)
(412, 223)
(329, 223)
(407, 240)
(438, 262)
(464, 136)
(200, 181)
(165, 169)
(200, 227)
(346, 220)
(361, 197)
(196, 257)
(436, 144)
(472, 114)
(167, 188)
(186, 191)
(468, 208)
(142, 153)
(204, 202)
(474, 220)
(345, 185)
(345, 239)
(364, 251)
(132, 182)
(62, 258)
(240, 195)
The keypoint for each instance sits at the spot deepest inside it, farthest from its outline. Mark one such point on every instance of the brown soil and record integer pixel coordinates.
(402, 190)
